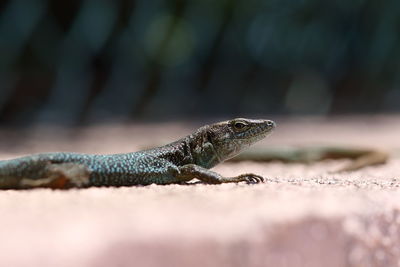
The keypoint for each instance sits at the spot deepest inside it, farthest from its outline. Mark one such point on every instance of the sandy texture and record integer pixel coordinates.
(302, 215)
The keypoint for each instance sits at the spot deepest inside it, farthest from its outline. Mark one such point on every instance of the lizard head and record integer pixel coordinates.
(229, 138)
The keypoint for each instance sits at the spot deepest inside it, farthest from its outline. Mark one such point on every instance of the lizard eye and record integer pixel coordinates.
(240, 126)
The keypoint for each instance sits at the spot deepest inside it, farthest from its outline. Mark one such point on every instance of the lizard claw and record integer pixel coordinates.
(252, 178)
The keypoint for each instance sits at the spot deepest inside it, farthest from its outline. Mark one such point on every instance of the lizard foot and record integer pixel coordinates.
(251, 178)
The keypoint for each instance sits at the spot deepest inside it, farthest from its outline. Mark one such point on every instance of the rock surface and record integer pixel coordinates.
(302, 215)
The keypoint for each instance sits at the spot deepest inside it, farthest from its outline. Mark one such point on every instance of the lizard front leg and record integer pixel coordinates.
(191, 171)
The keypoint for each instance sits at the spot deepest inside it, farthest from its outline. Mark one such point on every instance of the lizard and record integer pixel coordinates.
(178, 162)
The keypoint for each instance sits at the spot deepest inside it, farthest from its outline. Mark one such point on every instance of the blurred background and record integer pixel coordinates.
(100, 61)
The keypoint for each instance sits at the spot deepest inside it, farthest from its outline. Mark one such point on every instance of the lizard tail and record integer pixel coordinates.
(369, 159)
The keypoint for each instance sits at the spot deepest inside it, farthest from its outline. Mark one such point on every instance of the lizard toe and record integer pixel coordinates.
(253, 179)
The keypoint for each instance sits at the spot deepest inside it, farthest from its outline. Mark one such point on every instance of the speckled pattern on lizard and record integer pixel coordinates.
(178, 162)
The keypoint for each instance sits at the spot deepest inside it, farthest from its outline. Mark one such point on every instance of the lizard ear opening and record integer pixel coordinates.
(209, 136)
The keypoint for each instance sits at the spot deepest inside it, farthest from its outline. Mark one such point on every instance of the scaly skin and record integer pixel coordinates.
(178, 162)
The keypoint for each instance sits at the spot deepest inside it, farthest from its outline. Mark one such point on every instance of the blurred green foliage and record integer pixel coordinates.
(98, 60)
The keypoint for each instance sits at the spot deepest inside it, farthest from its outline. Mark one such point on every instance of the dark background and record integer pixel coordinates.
(81, 62)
